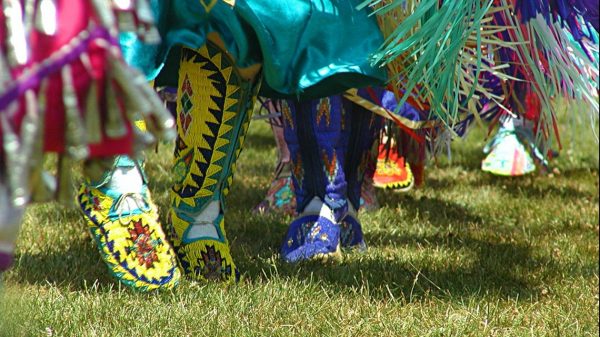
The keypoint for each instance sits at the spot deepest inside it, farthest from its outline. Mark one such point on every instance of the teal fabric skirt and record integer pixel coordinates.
(308, 48)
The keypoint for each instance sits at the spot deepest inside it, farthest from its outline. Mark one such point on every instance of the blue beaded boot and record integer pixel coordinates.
(329, 146)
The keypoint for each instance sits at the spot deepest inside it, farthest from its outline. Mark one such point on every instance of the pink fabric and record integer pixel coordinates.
(73, 18)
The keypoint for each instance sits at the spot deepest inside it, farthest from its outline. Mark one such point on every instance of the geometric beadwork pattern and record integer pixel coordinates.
(324, 110)
(298, 170)
(131, 243)
(185, 115)
(211, 94)
(214, 109)
(287, 114)
(330, 165)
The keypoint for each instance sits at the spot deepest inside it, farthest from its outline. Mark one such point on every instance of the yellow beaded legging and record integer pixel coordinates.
(213, 113)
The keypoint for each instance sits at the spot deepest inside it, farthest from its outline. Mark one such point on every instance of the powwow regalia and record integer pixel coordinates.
(65, 88)
(504, 61)
(280, 196)
(456, 61)
(492, 60)
(213, 54)
(461, 60)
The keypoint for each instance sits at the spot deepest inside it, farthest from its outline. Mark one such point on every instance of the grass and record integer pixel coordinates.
(468, 255)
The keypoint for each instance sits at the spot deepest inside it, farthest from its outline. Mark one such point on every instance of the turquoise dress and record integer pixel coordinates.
(308, 48)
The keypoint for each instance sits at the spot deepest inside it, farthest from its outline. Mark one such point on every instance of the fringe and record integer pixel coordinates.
(515, 55)
(100, 110)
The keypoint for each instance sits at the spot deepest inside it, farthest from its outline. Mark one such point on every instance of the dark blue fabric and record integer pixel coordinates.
(308, 236)
(364, 130)
(351, 234)
(318, 142)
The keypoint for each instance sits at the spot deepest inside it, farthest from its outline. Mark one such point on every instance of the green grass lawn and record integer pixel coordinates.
(468, 255)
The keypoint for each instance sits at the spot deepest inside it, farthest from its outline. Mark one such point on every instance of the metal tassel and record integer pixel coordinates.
(123, 5)
(105, 14)
(135, 102)
(29, 20)
(28, 135)
(142, 103)
(29, 131)
(5, 73)
(38, 147)
(29, 125)
(75, 137)
(146, 29)
(125, 16)
(18, 50)
(46, 19)
(144, 12)
(115, 125)
(126, 20)
(142, 140)
(151, 35)
(93, 123)
(160, 119)
(43, 184)
(65, 192)
(12, 148)
(87, 64)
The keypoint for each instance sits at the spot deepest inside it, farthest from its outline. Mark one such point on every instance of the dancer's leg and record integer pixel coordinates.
(317, 133)
(280, 196)
(124, 223)
(364, 129)
(213, 109)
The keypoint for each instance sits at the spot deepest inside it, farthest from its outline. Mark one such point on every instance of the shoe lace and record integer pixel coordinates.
(124, 199)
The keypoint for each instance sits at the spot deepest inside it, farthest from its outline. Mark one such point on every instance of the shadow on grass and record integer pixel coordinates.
(496, 269)
(536, 185)
(540, 187)
(501, 266)
(440, 213)
(507, 269)
(502, 269)
(76, 268)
